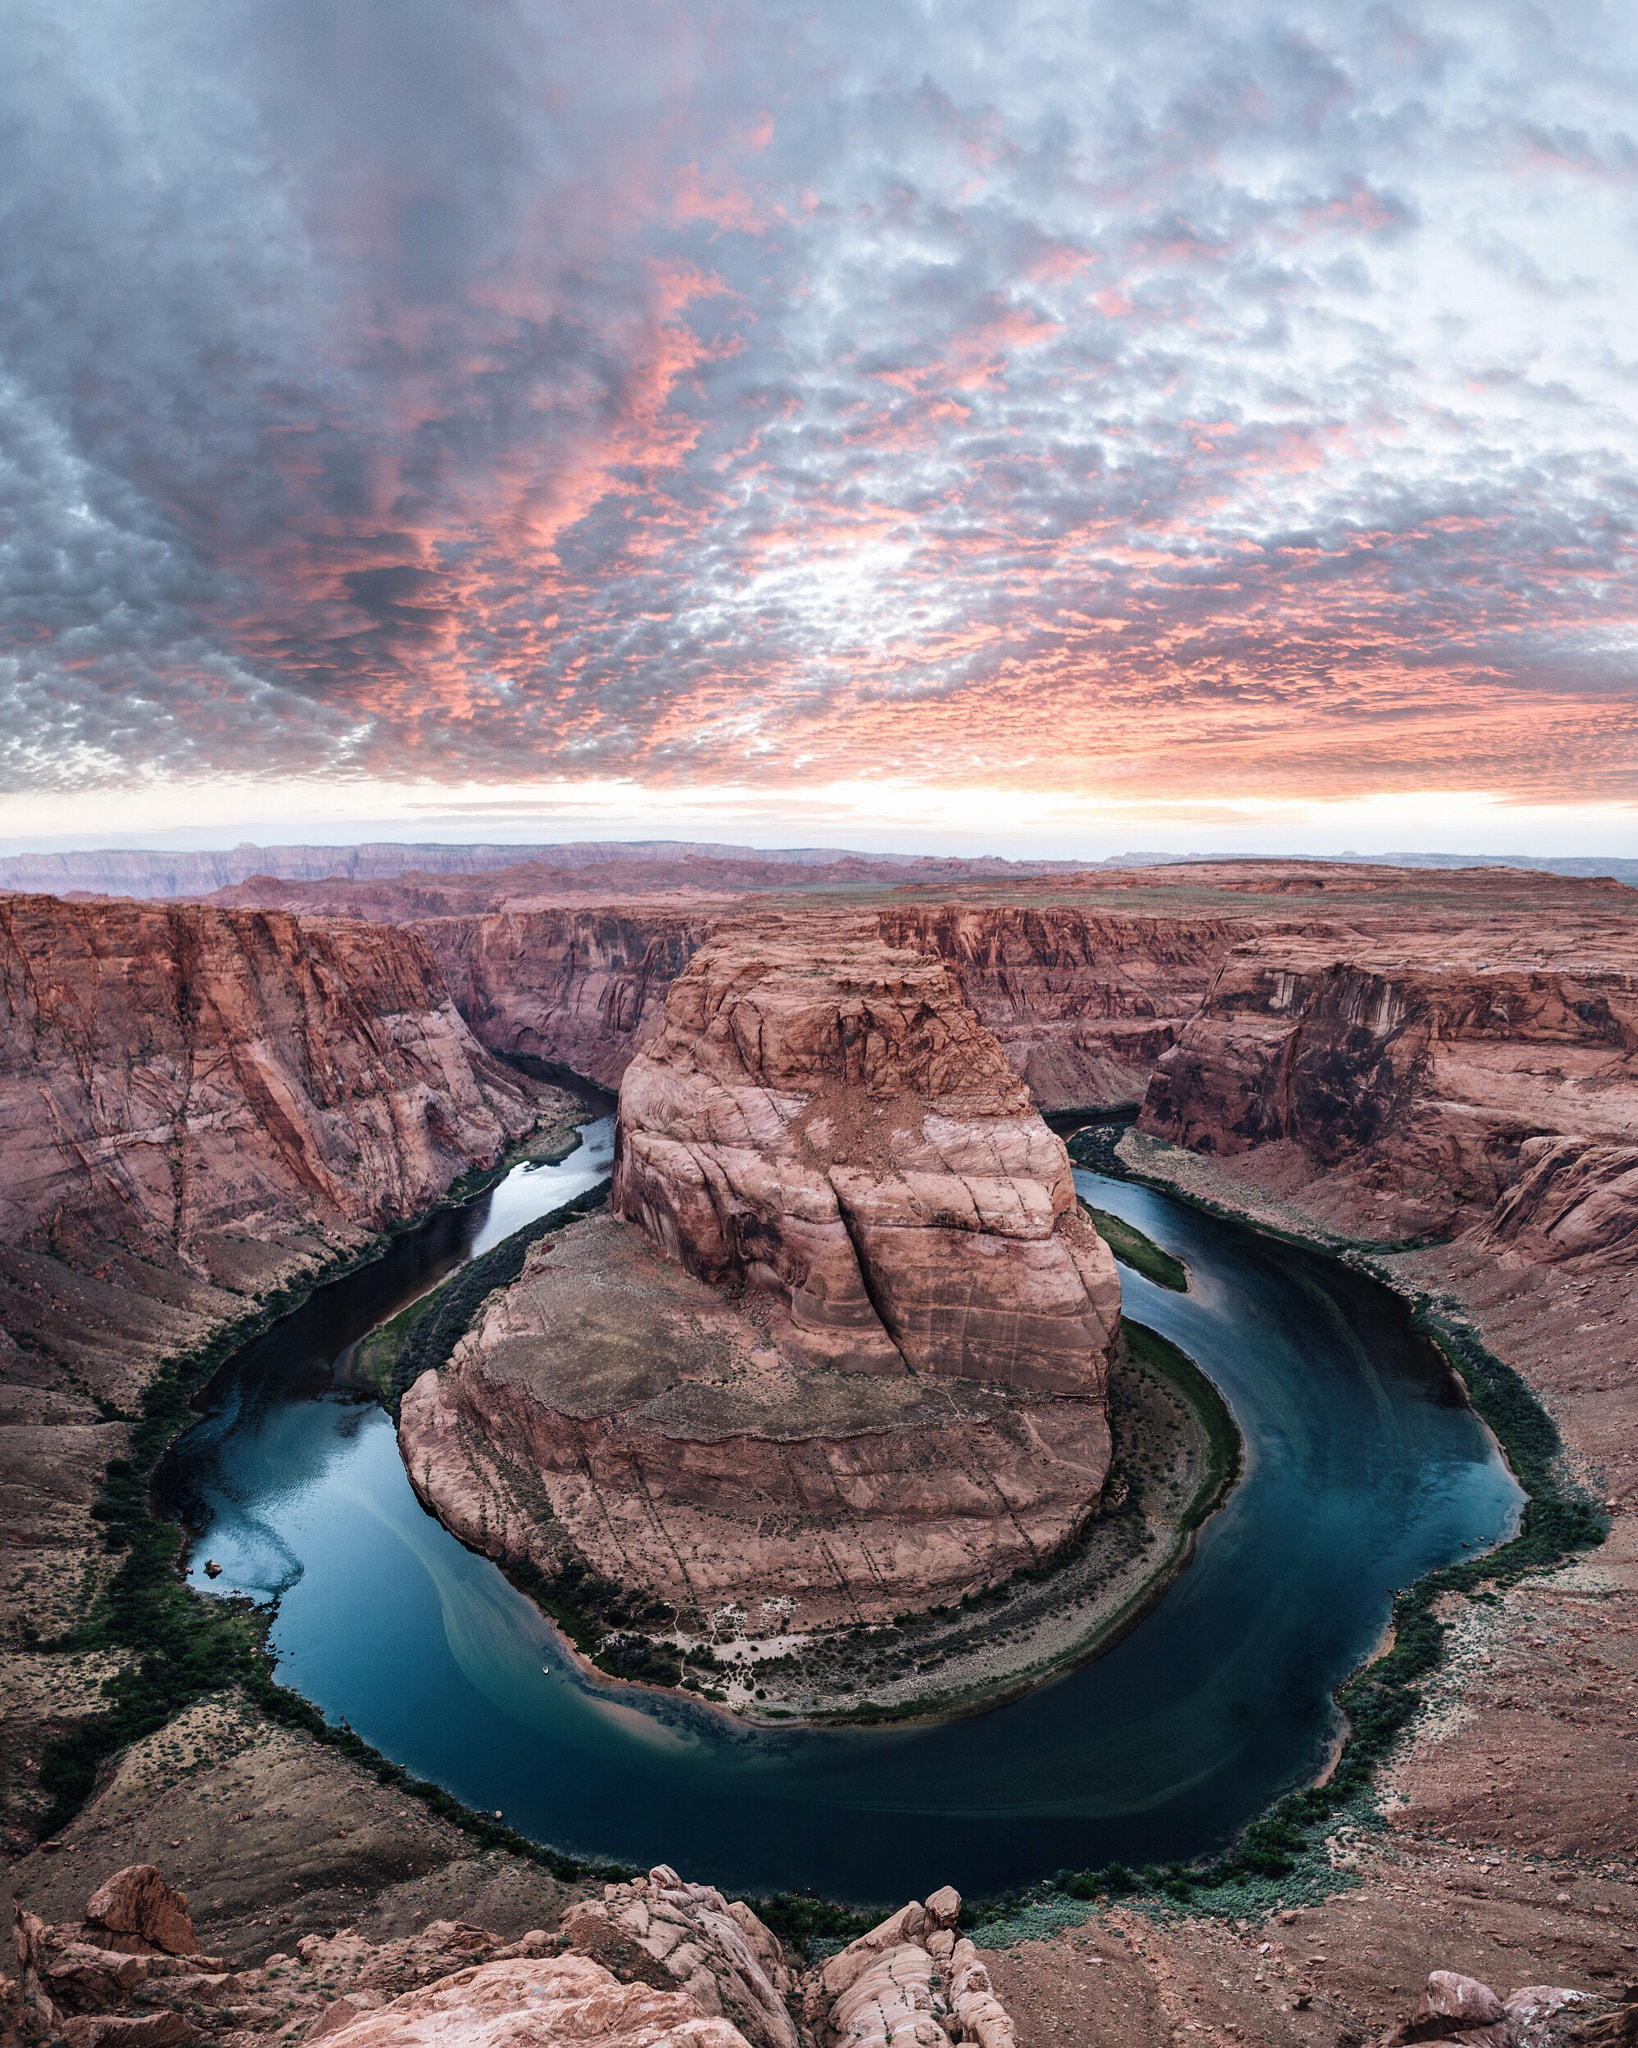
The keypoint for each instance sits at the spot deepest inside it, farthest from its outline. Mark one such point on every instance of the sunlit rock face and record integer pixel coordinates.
(824, 1119)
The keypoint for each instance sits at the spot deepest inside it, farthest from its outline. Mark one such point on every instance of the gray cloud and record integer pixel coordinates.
(748, 393)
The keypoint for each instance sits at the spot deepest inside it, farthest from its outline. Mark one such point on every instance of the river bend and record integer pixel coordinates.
(1364, 1468)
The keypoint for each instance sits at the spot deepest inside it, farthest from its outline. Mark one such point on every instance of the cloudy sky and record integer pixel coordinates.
(1112, 418)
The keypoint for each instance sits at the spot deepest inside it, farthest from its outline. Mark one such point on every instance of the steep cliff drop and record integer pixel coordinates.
(197, 1108)
(851, 1362)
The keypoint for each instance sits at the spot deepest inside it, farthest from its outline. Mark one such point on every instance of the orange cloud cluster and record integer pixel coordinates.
(695, 396)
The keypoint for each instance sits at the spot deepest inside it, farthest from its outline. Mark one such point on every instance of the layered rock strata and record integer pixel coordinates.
(1492, 1086)
(851, 1361)
(193, 1080)
(197, 1107)
(584, 989)
(1084, 1003)
(836, 1127)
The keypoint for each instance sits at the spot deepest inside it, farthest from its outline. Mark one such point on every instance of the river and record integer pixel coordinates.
(1364, 1468)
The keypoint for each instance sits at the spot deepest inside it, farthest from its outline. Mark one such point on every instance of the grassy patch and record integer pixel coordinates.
(1141, 1253)
(808, 1924)
(1225, 1445)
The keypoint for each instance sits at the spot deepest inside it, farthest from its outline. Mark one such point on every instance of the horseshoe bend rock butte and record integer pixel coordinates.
(852, 1360)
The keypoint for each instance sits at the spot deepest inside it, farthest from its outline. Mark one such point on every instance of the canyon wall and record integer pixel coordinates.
(1477, 1081)
(197, 1107)
(182, 1078)
(584, 989)
(1084, 1002)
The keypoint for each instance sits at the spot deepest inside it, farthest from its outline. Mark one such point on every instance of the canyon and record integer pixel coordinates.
(200, 1110)
(202, 1104)
(841, 1351)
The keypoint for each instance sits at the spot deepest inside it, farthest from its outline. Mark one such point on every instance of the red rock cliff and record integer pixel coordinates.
(824, 1116)
(1493, 1083)
(583, 988)
(1084, 1002)
(196, 1105)
(171, 1074)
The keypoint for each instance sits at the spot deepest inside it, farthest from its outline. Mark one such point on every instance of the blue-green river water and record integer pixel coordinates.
(1363, 1469)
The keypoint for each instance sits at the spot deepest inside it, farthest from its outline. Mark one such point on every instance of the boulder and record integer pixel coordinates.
(539, 2003)
(910, 1980)
(660, 1929)
(136, 1911)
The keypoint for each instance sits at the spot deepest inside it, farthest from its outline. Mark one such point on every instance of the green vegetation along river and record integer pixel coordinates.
(1363, 1468)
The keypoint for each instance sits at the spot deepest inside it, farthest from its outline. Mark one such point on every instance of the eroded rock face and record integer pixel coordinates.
(656, 1963)
(197, 1107)
(185, 1077)
(914, 1978)
(537, 2002)
(852, 1358)
(584, 989)
(1495, 1086)
(1083, 1002)
(715, 1949)
(823, 1117)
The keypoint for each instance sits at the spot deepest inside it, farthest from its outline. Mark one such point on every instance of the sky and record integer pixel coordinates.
(1085, 426)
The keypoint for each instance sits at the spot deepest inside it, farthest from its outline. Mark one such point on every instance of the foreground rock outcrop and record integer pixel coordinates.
(852, 1360)
(655, 1963)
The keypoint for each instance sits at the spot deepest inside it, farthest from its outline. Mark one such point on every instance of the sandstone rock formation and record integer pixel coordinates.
(1083, 1002)
(656, 1963)
(197, 1079)
(716, 1949)
(865, 1372)
(915, 1979)
(530, 2003)
(610, 1410)
(584, 989)
(137, 1912)
(828, 1120)
(1494, 1082)
(1460, 2012)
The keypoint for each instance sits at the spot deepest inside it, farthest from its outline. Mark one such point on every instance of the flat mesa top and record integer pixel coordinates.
(601, 1325)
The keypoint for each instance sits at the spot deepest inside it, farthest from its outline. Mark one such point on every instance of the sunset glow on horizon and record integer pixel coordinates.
(1110, 425)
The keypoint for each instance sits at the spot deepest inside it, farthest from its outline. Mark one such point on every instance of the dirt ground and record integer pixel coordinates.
(273, 1836)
